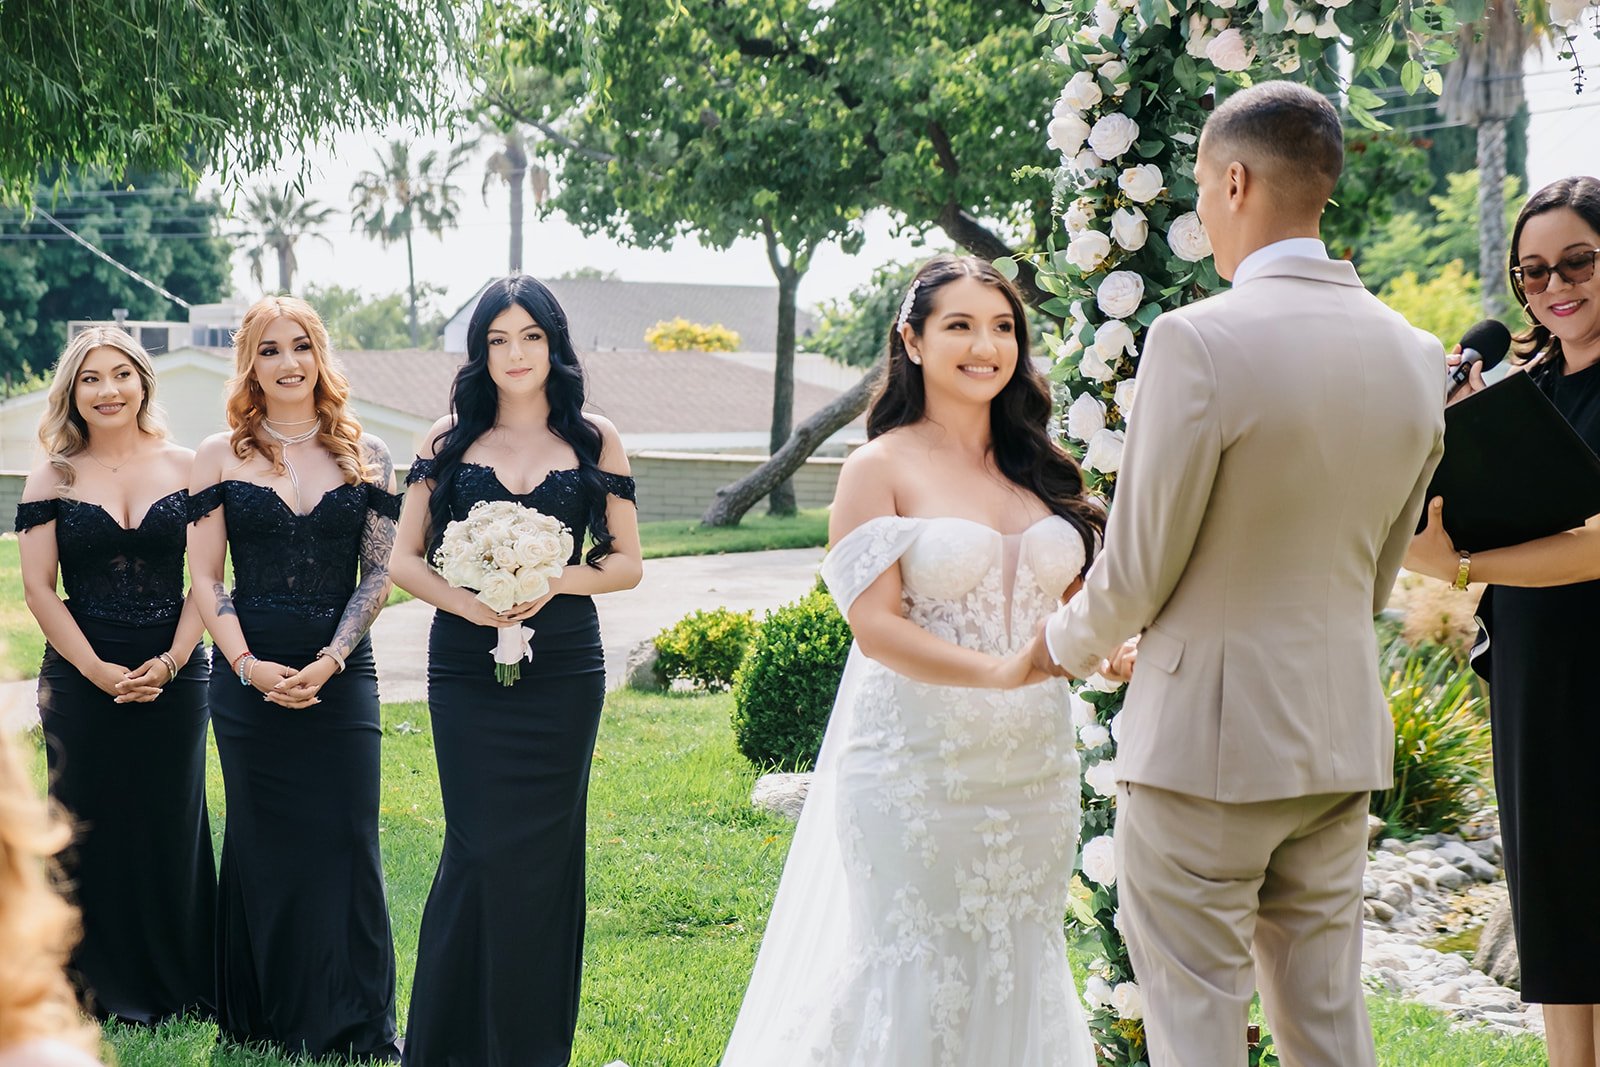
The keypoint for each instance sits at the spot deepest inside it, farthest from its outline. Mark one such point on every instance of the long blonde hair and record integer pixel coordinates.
(338, 430)
(62, 430)
(37, 927)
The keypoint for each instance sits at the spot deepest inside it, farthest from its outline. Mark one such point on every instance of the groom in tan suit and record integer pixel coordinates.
(1283, 436)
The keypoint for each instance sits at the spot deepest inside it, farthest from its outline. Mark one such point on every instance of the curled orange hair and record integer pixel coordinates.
(37, 927)
(338, 431)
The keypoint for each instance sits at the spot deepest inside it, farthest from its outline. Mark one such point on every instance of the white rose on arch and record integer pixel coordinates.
(1079, 215)
(1097, 992)
(1123, 397)
(1094, 366)
(1342, 3)
(1120, 294)
(1199, 38)
(1094, 735)
(1188, 239)
(1113, 340)
(1230, 51)
(1104, 454)
(1564, 12)
(1127, 1001)
(1102, 776)
(1100, 863)
(1088, 250)
(1083, 713)
(1082, 92)
(1141, 183)
(1113, 72)
(1113, 135)
(1067, 134)
(1129, 228)
(1084, 162)
(1086, 417)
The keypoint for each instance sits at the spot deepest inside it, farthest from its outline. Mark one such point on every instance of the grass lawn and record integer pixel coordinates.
(681, 874)
(21, 643)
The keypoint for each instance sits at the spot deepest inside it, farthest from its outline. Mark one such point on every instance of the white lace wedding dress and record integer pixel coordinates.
(919, 919)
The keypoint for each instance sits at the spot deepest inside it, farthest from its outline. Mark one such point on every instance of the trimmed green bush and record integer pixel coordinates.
(1441, 745)
(705, 647)
(784, 689)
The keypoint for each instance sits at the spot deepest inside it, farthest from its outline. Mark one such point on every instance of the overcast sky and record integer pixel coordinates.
(1564, 139)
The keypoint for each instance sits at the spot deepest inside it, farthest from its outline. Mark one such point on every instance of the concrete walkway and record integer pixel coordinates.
(671, 589)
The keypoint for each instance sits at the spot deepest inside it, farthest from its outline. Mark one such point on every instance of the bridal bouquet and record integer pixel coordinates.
(506, 554)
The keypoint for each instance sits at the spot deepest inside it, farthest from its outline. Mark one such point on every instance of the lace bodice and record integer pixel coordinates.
(306, 563)
(562, 495)
(113, 572)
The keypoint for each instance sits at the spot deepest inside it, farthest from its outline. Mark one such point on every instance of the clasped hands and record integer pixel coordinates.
(1033, 664)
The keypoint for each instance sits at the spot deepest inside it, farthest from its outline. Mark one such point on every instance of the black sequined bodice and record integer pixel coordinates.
(304, 563)
(113, 572)
(562, 495)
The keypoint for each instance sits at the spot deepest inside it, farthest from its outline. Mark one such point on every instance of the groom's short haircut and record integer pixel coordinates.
(1285, 133)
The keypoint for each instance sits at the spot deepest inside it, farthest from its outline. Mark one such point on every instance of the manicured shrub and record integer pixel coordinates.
(681, 335)
(1441, 745)
(785, 687)
(705, 648)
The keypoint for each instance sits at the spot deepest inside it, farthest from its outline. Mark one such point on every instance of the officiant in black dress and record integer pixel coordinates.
(500, 953)
(1541, 616)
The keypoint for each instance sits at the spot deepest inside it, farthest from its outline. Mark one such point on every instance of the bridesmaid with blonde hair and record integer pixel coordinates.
(302, 501)
(122, 689)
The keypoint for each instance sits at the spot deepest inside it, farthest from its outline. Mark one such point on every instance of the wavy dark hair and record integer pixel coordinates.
(1581, 194)
(1019, 416)
(475, 403)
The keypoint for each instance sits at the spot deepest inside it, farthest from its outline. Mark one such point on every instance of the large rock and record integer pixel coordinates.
(640, 672)
(1497, 949)
(781, 794)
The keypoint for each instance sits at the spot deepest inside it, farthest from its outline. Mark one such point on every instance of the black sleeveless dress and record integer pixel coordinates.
(305, 960)
(133, 776)
(500, 952)
(1544, 701)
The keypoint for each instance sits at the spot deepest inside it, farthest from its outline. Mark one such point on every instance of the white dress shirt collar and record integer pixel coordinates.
(1305, 247)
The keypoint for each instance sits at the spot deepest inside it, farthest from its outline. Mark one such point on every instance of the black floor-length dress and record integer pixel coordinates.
(500, 952)
(305, 960)
(1544, 698)
(132, 776)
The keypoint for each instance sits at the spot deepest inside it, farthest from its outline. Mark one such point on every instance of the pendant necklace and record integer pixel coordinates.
(284, 440)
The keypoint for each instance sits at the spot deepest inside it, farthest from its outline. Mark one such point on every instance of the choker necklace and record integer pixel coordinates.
(297, 422)
(285, 441)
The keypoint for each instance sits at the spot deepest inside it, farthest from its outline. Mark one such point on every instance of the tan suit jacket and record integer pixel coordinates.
(1276, 460)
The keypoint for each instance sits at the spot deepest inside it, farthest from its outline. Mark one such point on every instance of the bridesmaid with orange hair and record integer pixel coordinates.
(303, 502)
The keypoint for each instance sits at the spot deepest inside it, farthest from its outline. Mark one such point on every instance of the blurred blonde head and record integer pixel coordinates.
(338, 430)
(37, 927)
(63, 433)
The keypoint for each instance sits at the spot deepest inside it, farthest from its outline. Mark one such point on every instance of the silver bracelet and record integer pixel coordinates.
(338, 660)
(170, 663)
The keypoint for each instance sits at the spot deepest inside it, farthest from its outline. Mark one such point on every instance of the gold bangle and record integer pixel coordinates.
(1463, 572)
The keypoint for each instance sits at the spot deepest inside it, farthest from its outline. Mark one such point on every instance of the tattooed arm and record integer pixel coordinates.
(377, 544)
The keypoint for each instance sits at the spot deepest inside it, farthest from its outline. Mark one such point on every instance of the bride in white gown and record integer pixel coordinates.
(919, 922)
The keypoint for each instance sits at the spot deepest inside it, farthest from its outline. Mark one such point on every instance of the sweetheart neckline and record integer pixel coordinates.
(323, 499)
(971, 522)
(136, 527)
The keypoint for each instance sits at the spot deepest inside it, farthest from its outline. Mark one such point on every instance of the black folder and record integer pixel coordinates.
(1514, 469)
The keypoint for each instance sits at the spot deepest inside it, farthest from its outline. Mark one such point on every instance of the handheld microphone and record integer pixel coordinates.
(1485, 344)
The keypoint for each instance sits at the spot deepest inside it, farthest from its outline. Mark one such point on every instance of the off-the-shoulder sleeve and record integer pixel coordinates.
(866, 552)
(620, 485)
(31, 513)
(205, 502)
(382, 502)
(421, 470)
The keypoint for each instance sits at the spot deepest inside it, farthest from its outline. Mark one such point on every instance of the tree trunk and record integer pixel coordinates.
(285, 268)
(1492, 253)
(517, 175)
(411, 284)
(732, 501)
(782, 501)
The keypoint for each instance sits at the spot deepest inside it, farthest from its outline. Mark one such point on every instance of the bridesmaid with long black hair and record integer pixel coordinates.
(122, 690)
(501, 946)
(301, 499)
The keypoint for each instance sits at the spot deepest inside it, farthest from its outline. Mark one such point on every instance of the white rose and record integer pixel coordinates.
(1553, 5)
(1116, 727)
(1082, 710)
(531, 585)
(1120, 293)
(1129, 228)
(1562, 12)
(1141, 183)
(1127, 5)
(1287, 63)
(1106, 18)
(1305, 24)
(1067, 134)
(1113, 73)
(1230, 51)
(1328, 29)
(1063, 52)
(1088, 250)
(1226, 5)
(1085, 161)
(1094, 735)
(1082, 92)
(1127, 1001)
(1113, 340)
(1099, 682)
(504, 556)
(498, 590)
(1123, 397)
(1097, 992)
(1100, 865)
(1188, 239)
(1104, 453)
(1093, 365)
(1113, 135)
(1079, 214)
(1198, 37)
(1086, 417)
(1102, 776)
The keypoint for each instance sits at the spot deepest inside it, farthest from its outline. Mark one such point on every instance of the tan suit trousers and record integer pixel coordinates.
(1203, 884)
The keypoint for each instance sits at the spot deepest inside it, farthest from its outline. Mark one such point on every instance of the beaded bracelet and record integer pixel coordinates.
(246, 660)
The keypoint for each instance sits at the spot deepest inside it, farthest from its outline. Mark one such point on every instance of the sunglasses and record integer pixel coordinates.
(1576, 269)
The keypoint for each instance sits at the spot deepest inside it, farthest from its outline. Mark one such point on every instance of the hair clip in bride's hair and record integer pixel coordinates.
(905, 305)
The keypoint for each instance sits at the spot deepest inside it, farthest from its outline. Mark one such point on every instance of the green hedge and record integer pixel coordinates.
(784, 689)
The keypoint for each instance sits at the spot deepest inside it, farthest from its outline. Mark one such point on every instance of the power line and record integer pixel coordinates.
(129, 271)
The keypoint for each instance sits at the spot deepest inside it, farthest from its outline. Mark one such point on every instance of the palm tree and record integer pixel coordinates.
(396, 199)
(278, 219)
(1483, 89)
(509, 164)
